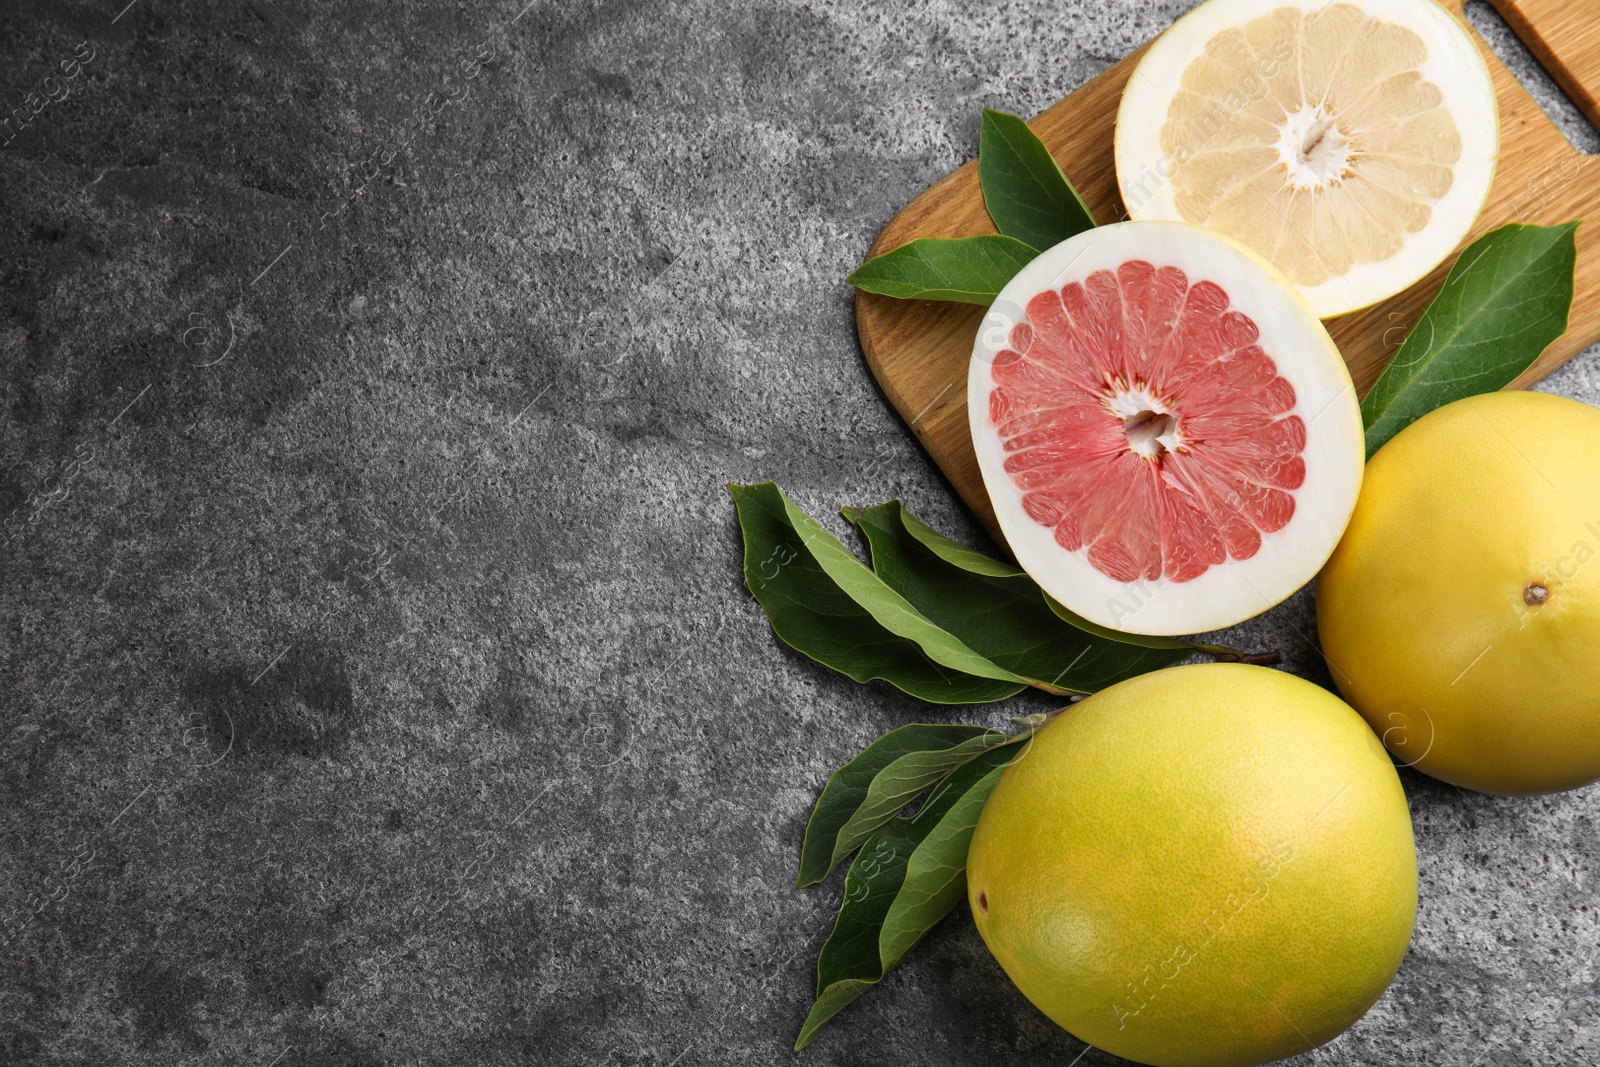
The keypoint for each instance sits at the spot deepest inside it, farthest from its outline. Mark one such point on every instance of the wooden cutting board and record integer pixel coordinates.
(919, 349)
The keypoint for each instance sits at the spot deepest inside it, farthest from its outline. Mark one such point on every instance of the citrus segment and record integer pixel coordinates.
(1353, 144)
(1144, 423)
(1152, 405)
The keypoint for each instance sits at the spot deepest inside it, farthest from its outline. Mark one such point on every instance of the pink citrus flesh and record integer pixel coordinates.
(1144, 422)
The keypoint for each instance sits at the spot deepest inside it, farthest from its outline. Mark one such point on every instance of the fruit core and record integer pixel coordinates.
(1313, 149)
(1152, 430)
(1144, 424)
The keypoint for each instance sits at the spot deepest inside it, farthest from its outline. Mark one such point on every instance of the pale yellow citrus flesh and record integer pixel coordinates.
(1209, 866)
(1342, 155)
(1461, 612)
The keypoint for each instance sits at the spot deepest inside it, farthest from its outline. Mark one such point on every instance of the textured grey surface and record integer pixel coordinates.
(378, 684)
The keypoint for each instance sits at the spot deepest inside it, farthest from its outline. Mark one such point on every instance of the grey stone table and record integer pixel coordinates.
(378, 684)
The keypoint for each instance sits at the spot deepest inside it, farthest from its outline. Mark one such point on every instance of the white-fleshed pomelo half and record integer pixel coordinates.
(1168, 435)
(1353, 143)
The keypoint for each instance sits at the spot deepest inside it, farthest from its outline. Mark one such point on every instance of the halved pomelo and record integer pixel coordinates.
(1170, 438)
(1351, 143)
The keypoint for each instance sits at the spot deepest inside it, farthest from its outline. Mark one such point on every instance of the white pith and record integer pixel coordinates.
(1305, 356)
(1454, 64)
(1313, 148)
(1130, 404)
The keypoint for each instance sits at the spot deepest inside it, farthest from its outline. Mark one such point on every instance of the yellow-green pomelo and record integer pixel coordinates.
(1207, 866)
(1461, 612)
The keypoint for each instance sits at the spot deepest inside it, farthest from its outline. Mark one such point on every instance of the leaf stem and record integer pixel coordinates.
(1233, 655)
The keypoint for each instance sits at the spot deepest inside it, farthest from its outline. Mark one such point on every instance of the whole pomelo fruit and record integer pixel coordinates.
(1461, 612)
(1207, 866)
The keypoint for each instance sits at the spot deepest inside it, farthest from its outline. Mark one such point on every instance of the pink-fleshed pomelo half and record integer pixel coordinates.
(1169, 436)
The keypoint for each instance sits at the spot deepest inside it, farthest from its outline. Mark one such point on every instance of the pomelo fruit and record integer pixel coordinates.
(1461, 612)
(1351, 143)
(1207, 866)
(1169, 437)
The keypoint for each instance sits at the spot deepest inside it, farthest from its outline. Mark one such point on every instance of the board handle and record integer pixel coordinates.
(1564, 35)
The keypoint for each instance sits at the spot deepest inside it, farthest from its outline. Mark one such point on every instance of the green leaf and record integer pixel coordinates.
(997, 610)
(952, 552)
(903, 881)
(825, 603)
(1027, 195)
(1066, 614)
(969, 559)
(967, 270)
(936, 874)
(872, 788)
(1506, 299)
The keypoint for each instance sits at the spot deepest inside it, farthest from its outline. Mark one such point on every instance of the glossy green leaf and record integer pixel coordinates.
(1027, 195)
(996, 609)
(952, 552)
(872, 788)
(967, 270)
(936, 874)
(826, 604)
(970, 559)
(904, 880)
(1506, 299)
(1067, 615)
